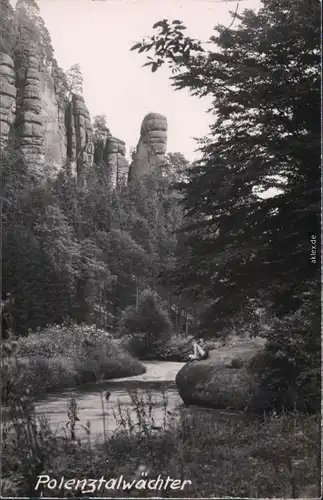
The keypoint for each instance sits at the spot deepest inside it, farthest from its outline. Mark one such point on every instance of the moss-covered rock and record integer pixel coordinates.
(216, 382)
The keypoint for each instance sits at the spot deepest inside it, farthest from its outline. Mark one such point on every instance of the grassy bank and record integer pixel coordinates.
(277, 456)
(59, 356)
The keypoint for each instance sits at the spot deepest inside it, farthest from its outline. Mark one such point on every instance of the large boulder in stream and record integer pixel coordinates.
(223, 380)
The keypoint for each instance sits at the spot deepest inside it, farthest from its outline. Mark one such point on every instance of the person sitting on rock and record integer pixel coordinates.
(200, 351)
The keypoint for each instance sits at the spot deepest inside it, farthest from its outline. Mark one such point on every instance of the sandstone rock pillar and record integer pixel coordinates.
(8, 93)
(151, 148)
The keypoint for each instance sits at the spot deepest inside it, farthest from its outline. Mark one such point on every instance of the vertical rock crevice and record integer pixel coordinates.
(79, 135)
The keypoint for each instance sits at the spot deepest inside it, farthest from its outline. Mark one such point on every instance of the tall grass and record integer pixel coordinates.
(276, 456)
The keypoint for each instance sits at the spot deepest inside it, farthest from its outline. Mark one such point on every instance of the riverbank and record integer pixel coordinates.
(60, 357)
(277, 457)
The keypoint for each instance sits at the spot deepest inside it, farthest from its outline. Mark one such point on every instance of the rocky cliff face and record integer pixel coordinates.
(32, 111)
(53, 119)
(50, 131)
(79, 134)
(110, 153)
(53, 131)
(8, 94)
(29, 126)
(151, 148)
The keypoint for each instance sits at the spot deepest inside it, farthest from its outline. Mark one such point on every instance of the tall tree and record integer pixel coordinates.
(264, 77)
(74, 79)
(8, 39)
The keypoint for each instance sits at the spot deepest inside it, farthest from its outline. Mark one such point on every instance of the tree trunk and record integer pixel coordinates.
(137, 293)
(186, 322)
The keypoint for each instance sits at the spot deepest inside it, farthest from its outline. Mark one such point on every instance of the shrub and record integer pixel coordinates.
(63, 340)
(61, 356)
(149, 326)
(289, 367)
(177, 348)
(237, 363)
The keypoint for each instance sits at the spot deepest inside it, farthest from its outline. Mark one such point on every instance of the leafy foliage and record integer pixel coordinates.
(72, 251)
(100, 124)
(264, 79)
(61, 356)
(148, 325)
(82, 252)
(168, 43)
(253, 200)
(289, 370)
(32, 29)
(74, 79)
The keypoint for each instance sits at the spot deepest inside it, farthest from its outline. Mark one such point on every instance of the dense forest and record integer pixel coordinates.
(85, 253)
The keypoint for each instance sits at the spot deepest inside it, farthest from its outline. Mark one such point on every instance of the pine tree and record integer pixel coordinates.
(264, 78)
(7, 31)
(74, 80)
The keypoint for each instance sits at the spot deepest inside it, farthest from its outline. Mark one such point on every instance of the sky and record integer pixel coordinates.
(97, 34)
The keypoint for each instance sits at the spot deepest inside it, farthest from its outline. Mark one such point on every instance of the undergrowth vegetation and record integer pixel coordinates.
(62, 356)
(275, 456)
(147, 326)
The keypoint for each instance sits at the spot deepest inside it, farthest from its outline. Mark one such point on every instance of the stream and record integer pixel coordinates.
(158, 381)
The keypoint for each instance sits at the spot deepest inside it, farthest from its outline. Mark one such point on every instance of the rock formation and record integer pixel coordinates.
(79, 134)
(29, 120)
(151, 148)
(53, 117)
(114, 157)
(8, 94)
(110, 155)
(217, 382)
(35, 121)
(50, 130)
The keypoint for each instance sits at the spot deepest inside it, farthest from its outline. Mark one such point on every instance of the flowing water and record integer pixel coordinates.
(159, 381)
